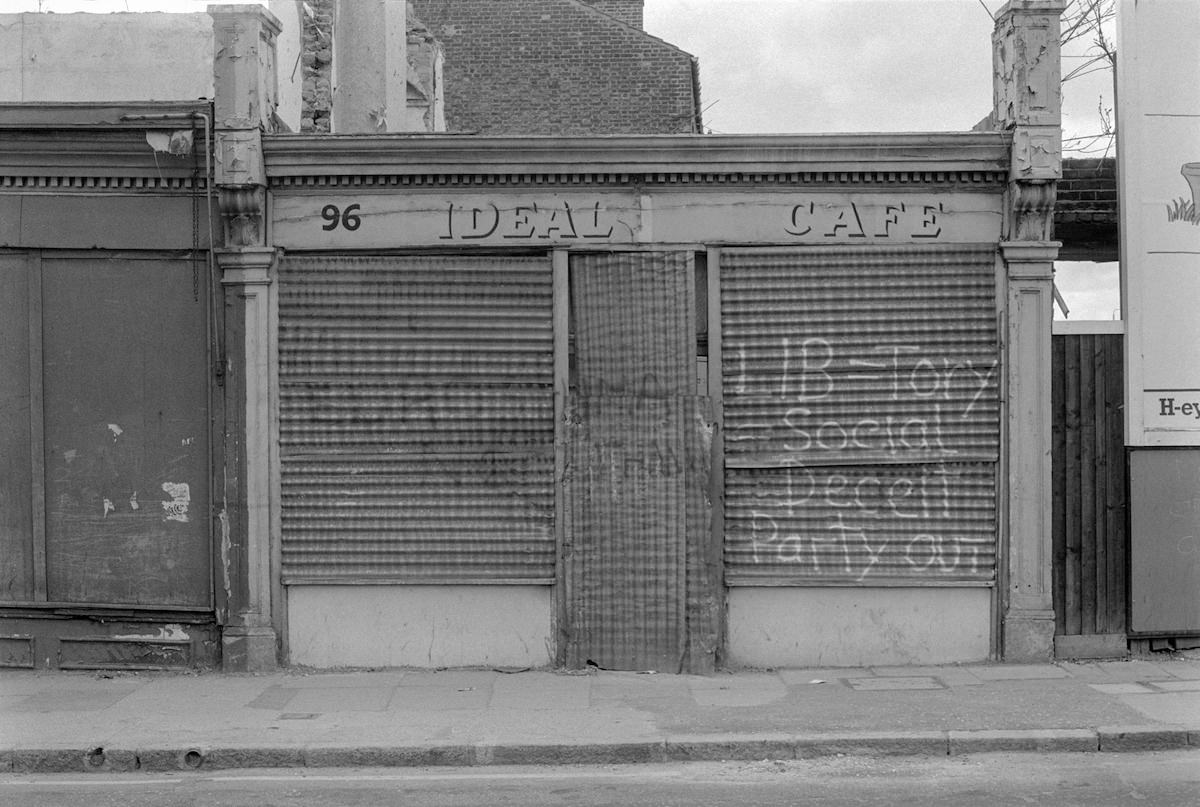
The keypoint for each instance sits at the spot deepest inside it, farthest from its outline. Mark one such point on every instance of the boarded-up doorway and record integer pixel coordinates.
(642, 589)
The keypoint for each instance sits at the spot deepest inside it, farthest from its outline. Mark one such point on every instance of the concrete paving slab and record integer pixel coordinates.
(1085, 671)
(91, 700)
(1177, 686)
(433, 699)
(804, 676)
(1179, 708)
(541, 692)
(341, 699)
(351, 680)
(1122, 689)
(950, 676)
(485, 717)
(1133, 670)
(452, 679)
(635, 687)
(274, 698)
(1017, 672)
(751, 689)
(1189, 670)
(893, 684)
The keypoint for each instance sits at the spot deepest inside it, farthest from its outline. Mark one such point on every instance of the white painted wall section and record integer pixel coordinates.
(420, 626)
(105, 57)
(854, 627)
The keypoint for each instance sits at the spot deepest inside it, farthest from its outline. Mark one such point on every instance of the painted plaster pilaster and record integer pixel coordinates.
(244, 103)
(1028, 102)
(250, 641)
(1028, 616)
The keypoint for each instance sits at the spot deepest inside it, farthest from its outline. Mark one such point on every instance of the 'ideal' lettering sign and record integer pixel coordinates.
(378, 220)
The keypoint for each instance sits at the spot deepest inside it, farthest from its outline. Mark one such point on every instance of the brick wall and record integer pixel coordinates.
(557, 67)
(627, 11)
(1085, 210)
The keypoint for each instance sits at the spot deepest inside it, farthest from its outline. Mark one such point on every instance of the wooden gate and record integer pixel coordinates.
(1091, 532)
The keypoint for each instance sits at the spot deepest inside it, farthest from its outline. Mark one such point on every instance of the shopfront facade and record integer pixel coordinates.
(656, 403)
(645, 403)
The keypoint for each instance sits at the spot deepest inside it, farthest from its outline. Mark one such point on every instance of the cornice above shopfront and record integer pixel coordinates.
(979, 161)
(98, 148)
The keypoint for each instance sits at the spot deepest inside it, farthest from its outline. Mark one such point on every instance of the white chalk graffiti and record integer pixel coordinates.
(815, 386)
(857, 522)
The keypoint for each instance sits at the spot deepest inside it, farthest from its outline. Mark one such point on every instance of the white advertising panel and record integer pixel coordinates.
(1158, 132)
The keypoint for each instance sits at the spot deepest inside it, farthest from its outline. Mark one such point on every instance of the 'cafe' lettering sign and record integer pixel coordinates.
(423, 219)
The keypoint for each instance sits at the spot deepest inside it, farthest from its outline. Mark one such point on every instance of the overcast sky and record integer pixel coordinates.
(780, 66)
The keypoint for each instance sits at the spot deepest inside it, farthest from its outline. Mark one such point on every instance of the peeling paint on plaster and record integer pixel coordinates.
(181, 499)
(226, 548)
(166, 633)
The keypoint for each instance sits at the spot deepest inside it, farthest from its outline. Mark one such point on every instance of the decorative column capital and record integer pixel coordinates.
(246, 266)
(243, 215)
(1027, 100)
(1030, 259)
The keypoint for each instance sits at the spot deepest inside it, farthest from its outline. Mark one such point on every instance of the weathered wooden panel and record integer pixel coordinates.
(109, 638)
(114, 222)
(99, 653)
(16, 483)
(1090, 505)
(16, 651)
(127, 441)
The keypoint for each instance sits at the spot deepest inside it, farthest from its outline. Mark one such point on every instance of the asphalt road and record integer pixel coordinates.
(1162, 779)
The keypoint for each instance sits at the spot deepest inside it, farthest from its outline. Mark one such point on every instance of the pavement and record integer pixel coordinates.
(53, 722)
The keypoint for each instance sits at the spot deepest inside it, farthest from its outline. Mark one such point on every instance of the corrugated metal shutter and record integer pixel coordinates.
(416, 419)
(636, 518)
(862, 424)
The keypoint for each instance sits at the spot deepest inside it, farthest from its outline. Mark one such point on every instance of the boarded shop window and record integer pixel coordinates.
(104, 487)
(416, 419)
(862, 421)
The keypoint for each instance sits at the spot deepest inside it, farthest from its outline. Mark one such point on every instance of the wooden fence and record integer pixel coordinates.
(1091, 532)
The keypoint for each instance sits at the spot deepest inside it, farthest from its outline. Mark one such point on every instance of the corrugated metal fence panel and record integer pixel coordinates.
(1090, 503)
(862, 423)
(416, 419)
(634, 323)
(640, 594)
(626, 488)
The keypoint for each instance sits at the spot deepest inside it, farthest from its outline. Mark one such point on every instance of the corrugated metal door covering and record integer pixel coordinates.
(639, 594)
(417, 419)
(862, 414)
